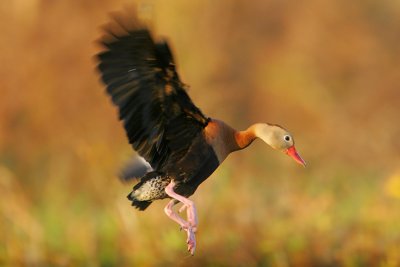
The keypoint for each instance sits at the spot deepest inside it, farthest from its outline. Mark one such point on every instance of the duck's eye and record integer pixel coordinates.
(287, 138)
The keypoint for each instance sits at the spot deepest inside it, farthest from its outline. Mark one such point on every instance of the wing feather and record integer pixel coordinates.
(159, 117)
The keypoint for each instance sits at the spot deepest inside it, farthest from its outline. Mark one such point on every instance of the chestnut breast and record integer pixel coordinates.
(221, 138)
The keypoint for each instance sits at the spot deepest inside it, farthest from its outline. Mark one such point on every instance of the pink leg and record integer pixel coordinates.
(173, 216)
(192, 217)
(191, 226)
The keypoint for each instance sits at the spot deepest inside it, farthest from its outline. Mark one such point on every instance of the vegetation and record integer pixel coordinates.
(326, 70)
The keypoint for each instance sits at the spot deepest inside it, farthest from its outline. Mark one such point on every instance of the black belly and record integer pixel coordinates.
(188, 172)
(194, 168)
(188, 186)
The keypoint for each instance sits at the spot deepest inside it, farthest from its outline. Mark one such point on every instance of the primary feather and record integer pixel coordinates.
(159, 117)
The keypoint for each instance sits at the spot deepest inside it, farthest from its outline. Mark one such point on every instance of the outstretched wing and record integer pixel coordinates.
(159, 118)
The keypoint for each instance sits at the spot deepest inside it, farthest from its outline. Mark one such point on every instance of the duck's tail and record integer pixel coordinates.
(140, 205)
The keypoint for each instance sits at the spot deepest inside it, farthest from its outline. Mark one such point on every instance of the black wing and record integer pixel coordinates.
(159, 118)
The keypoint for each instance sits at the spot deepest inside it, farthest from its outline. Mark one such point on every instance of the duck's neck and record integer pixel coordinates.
(246, 137)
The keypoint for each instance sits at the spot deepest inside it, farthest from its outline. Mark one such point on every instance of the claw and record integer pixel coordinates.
(191, 248)
(191, 240)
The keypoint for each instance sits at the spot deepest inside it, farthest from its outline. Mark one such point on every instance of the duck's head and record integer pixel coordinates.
(278, 138)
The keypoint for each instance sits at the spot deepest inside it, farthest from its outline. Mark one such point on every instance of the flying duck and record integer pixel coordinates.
(182, 145)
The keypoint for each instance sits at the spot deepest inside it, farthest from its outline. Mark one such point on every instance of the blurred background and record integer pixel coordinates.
(329, 71)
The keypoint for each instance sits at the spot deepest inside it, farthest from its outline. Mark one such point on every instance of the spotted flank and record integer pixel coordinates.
(151, 187)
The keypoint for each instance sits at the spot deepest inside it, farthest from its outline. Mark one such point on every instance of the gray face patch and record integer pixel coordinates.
(275, 136)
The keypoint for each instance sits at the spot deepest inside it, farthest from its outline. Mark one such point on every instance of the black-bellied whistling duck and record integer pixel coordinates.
(182, 145)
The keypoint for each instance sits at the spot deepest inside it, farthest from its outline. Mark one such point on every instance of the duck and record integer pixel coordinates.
(182, 145)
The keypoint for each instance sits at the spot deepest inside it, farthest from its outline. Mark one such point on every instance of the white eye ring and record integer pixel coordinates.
(287, 138)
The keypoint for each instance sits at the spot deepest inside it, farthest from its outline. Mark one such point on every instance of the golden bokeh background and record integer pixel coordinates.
(329, 71)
